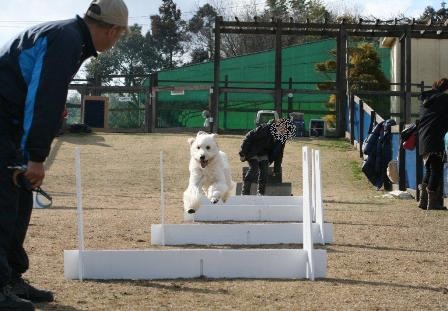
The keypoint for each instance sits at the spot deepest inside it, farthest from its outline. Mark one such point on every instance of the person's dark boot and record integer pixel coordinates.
(261, 187)
(423, 203)
(10, 302)
(24, 290)
(434, 201)
(246, 188)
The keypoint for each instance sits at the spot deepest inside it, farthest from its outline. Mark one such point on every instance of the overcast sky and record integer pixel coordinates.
(17, 15)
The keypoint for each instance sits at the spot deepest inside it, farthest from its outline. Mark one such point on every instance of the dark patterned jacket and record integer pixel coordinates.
(259, 142)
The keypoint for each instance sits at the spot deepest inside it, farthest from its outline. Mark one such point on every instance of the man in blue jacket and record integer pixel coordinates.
(35, 71)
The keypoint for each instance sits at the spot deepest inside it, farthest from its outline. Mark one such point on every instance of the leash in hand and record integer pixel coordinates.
(21, 181)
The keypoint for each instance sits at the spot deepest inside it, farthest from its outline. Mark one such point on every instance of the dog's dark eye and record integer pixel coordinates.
(208, 147)
(198, 147)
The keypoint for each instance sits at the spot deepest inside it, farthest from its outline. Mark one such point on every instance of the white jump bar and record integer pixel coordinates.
(236, 234)
(193, 263)
(258, 200)
(250, 208)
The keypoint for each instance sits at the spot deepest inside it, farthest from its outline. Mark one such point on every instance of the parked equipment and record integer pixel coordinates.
(263, 116)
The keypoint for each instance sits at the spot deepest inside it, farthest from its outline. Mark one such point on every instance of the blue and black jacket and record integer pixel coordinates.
(36, 68)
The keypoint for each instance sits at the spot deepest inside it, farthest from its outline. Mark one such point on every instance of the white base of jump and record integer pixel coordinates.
(250, 208)
(193, 263)
(236, 234)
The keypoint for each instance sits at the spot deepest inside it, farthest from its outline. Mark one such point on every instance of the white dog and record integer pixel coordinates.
(210, 170)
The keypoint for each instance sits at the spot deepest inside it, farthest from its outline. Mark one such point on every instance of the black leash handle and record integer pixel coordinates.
(22, 182)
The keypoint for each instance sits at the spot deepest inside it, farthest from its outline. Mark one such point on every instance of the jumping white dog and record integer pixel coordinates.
(210, 170)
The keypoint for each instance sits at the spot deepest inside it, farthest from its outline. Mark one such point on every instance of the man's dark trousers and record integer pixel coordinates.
(15, 206)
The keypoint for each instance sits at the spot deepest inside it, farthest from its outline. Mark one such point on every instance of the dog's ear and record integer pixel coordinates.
(201, 133)
(191, 140)
(214, 136)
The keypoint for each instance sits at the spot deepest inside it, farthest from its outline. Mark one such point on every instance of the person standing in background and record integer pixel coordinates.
(432, 128)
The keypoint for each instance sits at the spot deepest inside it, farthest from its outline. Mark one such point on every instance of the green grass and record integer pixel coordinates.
(356, 170)
(337, 144)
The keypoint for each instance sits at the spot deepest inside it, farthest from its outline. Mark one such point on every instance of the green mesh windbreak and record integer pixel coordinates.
(126, 110)
(181, 110)
(237, 111)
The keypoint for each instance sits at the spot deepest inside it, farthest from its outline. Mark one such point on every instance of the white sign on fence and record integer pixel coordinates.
(124, 98)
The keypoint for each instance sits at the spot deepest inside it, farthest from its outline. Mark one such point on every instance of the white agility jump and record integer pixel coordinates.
(237, 234)
(191, 263)
(253, 208)
(264, 208)
(250, 208)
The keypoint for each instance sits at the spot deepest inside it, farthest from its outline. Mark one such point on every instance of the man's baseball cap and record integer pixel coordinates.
(113, 12)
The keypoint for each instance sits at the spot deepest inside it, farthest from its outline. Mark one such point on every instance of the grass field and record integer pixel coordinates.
(387, 255)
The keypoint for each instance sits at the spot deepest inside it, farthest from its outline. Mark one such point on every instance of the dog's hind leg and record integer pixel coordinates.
(229, 192)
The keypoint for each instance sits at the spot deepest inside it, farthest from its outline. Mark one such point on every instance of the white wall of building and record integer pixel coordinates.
(429, 59)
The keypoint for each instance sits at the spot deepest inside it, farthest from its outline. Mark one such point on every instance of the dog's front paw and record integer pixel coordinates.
(214, 200)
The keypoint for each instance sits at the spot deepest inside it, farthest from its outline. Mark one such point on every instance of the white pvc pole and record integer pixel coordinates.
(307, 211)
(162, 198)
(319, 209)
(313, 186)
(79, 211)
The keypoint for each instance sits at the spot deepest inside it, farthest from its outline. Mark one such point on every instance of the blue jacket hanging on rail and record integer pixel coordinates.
(377, 148)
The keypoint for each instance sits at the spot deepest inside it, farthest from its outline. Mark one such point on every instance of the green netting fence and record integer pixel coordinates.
(237, 111)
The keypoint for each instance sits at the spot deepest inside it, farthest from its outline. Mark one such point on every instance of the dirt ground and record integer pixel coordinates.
(387, 255)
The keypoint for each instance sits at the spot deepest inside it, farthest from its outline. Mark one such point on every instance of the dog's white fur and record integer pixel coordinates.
(209, 170)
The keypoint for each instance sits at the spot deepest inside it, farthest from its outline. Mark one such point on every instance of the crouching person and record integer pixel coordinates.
(262, 146)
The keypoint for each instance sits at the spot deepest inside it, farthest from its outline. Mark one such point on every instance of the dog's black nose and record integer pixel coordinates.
(202, 157)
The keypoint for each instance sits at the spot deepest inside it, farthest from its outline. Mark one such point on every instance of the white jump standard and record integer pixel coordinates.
(212, 263)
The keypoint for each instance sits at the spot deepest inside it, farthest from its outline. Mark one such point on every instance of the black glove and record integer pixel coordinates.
(242, 157)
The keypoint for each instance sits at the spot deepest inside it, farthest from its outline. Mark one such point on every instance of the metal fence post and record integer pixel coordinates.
(361, 127)
(402, 163)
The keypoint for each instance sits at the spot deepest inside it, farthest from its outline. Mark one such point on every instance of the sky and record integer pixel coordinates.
(17, 15)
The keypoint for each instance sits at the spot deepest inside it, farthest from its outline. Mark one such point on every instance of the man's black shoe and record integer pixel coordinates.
(24, 290)
(9, 301)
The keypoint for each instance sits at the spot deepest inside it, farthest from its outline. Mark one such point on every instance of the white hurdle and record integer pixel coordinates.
(250, 208)
(237, 234)
(212, 263)
(265, 208)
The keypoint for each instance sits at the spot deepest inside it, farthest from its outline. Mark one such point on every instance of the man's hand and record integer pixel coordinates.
(35, 173)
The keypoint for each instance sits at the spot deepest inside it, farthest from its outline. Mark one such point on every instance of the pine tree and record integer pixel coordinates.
(364, 73)
(168, 31)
